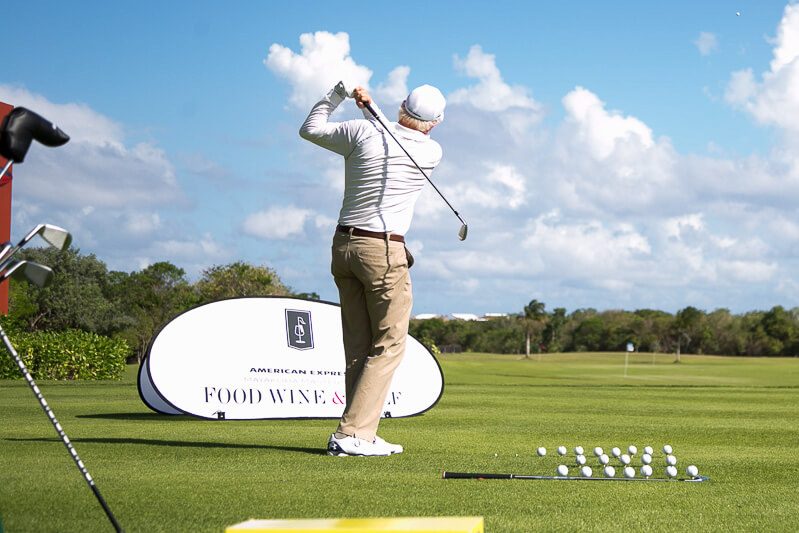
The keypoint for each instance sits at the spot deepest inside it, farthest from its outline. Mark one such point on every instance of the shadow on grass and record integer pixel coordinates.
(181, 444)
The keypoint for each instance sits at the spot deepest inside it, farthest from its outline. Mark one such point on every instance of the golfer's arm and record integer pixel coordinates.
(318, 129)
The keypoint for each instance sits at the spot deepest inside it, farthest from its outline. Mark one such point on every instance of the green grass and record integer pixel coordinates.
(735, 418)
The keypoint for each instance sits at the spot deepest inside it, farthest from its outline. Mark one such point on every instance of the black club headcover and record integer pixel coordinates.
(21, 126)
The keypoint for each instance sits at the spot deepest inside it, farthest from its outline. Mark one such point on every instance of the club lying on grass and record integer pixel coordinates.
(475, 475)
(41, 275)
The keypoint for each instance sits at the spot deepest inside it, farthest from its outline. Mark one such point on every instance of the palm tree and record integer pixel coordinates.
(534, 316)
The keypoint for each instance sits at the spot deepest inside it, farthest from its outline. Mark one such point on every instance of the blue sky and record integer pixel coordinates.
(614, 155)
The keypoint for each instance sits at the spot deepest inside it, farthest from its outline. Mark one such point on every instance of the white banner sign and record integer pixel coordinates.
(255, 358)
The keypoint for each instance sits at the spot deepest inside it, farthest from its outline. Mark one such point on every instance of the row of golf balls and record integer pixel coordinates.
(625, 459)
(616, 452)
(629, 472)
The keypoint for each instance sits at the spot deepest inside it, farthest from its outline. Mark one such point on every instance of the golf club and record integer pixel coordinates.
(41, 275)
(5, 248)
(19, 128)
(464, 228)
(474, 475)
(37, 274)
(52, 235)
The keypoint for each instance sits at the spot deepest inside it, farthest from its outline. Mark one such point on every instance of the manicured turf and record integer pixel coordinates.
(735, 418)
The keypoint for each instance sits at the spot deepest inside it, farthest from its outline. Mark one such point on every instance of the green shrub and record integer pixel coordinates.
(70, 354)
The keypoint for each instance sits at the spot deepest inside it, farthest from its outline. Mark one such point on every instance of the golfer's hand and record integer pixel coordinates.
(361, 97)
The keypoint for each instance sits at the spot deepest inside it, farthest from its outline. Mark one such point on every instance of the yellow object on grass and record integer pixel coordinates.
(444, 524)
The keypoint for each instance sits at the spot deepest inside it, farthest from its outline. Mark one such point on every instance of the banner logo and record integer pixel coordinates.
(298, 329)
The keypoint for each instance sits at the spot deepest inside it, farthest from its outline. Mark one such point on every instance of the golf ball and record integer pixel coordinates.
(578, 450)
(563, 470)
(629, 472)
(541, 451)
(646, 459)
(615, 452)
(667, 449)
(604, 459)
(632, 450)
(586, 471)
(646, 470)
(610, 471)
(562, 450)
(581, 460)
(692, 471)
(598, 451)
(649, 450)
(671, 471)
(671, 460)
(625, 459)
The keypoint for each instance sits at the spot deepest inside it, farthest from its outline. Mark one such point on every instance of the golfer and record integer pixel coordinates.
(370, 263)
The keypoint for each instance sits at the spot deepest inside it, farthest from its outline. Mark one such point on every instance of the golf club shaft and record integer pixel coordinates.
(59, 429)
(475, 475)
(5, 168)
(374, 114)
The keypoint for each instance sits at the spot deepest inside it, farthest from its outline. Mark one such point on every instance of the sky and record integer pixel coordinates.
(615, 155)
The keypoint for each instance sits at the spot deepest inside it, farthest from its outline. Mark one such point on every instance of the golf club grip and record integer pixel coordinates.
(473, 475)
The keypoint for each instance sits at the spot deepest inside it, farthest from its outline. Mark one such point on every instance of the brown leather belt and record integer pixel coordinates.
(365, 233)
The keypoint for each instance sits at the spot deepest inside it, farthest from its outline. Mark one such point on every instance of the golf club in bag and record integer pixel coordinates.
(41, 275)
(19, 128)
(464, 228)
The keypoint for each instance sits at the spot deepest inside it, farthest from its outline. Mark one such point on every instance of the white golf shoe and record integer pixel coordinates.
(392, 448)
(355, 446)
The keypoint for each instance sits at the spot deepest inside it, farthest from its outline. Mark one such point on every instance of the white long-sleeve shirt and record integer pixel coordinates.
(381, 184)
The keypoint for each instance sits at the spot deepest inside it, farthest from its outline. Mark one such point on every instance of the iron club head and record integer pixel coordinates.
(35, 273)
(53, 235)
(462, 232)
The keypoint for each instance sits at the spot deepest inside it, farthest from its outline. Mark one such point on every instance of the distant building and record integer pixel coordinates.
(426, 316)
(460, 316)
(464, 316)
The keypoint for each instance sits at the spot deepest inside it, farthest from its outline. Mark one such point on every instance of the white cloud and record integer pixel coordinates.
(395, 88)
(491, 93)
(587, 250)
(599, 130)
(95, 167)
(774, 99)
(706, 43)
(277, 222)
(142, 223)
(502, 186)
(324, 59)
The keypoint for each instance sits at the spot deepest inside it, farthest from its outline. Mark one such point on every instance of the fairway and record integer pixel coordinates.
(735, 418)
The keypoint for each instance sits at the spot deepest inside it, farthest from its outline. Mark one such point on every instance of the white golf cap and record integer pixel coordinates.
(425, 103)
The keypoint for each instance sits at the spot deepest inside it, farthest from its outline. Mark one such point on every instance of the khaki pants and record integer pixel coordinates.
(374, 288)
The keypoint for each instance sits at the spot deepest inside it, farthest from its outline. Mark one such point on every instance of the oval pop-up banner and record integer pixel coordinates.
(268, 357)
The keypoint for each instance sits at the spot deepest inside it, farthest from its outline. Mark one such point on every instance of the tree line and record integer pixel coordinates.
(133, 306)
(690, 330)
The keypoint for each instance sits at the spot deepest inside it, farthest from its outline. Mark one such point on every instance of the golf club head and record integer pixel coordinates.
(39, 275)
(462, 232)
(55, 236)
(5, 249)
(20, 127)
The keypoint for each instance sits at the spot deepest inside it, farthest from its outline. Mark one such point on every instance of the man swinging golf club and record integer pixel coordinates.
(382, 181)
